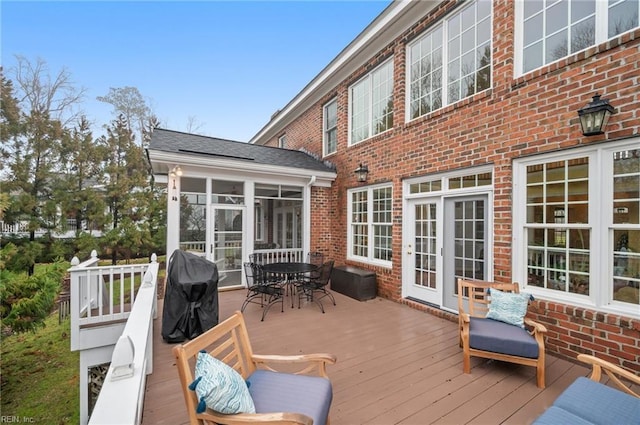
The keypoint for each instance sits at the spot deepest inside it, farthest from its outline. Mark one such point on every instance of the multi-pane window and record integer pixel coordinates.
(370, 217)
(558, 225)
(451, 61)
(554, 29)
(371, 104)
(330, 127)
(580, 226)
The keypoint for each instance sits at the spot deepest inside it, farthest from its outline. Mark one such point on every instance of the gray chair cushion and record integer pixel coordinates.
(557, 416)
(284, 392)
(499, 337)
(594, 403)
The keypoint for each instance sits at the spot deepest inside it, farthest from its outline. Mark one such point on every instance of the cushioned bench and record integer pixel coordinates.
(590, 402)
(587, 401)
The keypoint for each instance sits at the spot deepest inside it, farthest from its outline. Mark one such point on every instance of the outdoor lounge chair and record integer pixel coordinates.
(302, 397)
(481, 335)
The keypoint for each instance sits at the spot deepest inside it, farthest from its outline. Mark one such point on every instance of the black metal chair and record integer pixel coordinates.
(307, 287)
(315, 258)
(260, 290)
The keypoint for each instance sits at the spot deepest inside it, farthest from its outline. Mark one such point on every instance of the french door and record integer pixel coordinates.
(465, 244)
(445, 238)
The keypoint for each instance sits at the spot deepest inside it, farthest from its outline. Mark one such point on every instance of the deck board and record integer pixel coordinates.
(396, 365)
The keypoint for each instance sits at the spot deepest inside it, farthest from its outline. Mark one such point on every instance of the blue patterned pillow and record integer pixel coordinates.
(508, 307)
(219, 387)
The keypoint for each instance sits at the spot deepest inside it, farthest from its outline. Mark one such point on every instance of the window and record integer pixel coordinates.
(580, 226)
(370, 225)
(330, 127)
(451, 61)
(282, 141)
(551, 30)
(371, 104)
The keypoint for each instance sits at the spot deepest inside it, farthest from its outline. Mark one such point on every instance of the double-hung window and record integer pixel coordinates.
(370, 225)
(451, 61)
(553, 29)
(371, 104)
(330, 127)
(578, 226)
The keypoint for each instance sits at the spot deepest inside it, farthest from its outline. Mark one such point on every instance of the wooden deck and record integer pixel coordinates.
(396, 365)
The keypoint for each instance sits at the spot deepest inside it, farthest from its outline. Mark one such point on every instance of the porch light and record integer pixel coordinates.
(361, 173)
(175, 171)
(594, 116)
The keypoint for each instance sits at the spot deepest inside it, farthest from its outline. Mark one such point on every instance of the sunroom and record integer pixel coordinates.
(227, 199)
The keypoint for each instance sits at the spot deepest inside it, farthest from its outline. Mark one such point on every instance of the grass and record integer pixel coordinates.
(39, 374)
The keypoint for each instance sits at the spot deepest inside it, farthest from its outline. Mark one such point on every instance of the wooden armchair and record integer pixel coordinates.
(492, 339)
(303, 394)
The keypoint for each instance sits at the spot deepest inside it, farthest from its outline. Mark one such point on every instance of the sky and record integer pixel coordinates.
(224, 66)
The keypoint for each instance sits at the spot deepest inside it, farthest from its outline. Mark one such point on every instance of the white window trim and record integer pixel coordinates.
(324, 129)
(445, 70)
(282, 141)
(369, 259)
(600, 217)
(370, 117)
(601, 35)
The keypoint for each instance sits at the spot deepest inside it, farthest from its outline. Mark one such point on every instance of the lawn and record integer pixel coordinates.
(39, 375)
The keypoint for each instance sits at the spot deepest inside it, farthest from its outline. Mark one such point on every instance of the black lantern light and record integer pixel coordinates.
(361, 173)
(594, 116)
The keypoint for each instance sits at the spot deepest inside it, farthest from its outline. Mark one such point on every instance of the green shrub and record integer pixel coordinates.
(25, 301)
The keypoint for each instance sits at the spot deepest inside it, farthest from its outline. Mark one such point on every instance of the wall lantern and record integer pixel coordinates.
(594, 116)
(361, 173)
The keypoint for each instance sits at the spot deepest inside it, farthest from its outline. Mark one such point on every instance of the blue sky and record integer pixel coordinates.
(229, 64)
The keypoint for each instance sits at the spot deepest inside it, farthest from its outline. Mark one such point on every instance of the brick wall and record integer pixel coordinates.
(521, 116)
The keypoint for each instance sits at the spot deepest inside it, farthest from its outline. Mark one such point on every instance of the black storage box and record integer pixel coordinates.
(354, 282)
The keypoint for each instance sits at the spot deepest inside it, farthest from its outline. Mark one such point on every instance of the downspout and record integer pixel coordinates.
(307, 215)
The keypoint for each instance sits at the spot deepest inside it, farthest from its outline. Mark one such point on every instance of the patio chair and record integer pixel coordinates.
(316, 258)
(487, 331)
(301, 397)
(260, 290)
(307, 287)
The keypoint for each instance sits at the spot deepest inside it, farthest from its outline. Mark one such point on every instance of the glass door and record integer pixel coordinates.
(227, 248)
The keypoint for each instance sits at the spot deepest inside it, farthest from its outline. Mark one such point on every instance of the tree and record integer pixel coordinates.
(79, 194)
(128, 101)
(125, 177)
(31, 145)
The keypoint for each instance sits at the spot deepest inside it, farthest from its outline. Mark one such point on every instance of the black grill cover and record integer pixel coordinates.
(191, 297)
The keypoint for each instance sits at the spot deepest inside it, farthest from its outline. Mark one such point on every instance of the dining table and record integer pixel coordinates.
(291, 271)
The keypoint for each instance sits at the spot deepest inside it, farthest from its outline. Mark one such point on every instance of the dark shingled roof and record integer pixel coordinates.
(193, 144)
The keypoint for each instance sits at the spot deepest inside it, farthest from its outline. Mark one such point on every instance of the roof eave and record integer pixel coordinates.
(382, 31)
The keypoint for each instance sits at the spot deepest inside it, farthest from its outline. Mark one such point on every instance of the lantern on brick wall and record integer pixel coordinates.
(361, 172)
(594, 116)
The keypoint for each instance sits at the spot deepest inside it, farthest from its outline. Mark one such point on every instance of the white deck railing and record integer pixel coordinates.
(122, 395)
(281, 255)
(101, 294)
